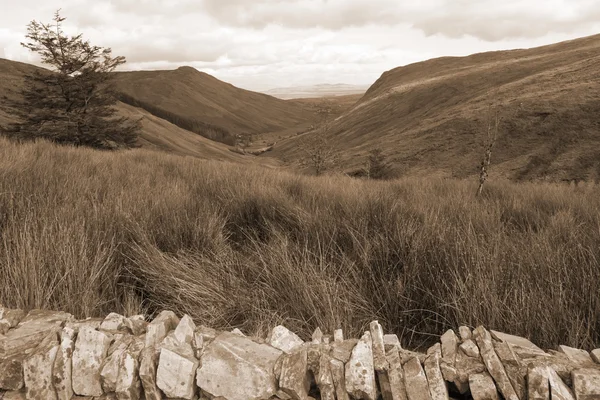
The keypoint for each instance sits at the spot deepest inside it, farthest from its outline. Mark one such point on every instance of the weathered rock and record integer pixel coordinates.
(595, 355)
(294, 378)
(113, 322)
(325, 378)
(160, 327)
(360, 375)
(338, 335)
(465, 367)
(586, 384)
(10, 318)
(176, 371)
(313, 357)
(91, 349)
(578, 356)
(30, 331)
(75, 325)
(233, 358)
(283, 339)
(391, 340)
(343, 350)
(62, 371)
(198, 344)
(482, 387)
(537, 384)
(379, 361)
(415, 380)
(407, 355)
(449, 342)
(37, 370)
(238, 332)
(339, 379)
(317, 336)
(136, 324)
(147, 372)
(515, 340)
(395, 375)
(184, 333)
(465, 333)
(515, 369)
(14, 395)
(469, 348)
(493, 364)
(208, 334)
(128, 385)
(558, 389)
(437, 385)
(109, 370)
(11, 372)
(449, 372)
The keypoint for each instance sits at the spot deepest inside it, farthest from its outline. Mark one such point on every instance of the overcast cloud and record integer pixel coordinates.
(260, 44)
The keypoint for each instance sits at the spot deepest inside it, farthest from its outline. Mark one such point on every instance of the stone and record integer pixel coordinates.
(343, 350)
(294, 380)
(184, 333)
(325, 378)
(13, 395)
(390, 341)
(515, 369)
(514, 340)
(469, 348)
(339, 380)
(586, 383)
(147, 372)
(30, 331)
(464, 333)
(360, 374)
(136, 324)
(283, 339)
(11, 372)
(595, 355)
(93, 323)
(415, 380)
(37, 370)
(493, 363)
(338, 336)
(233, 358)
(537, 384)
(91, 349)
(208, 334)
(176, 371)
(578, 356)
(449, 342)
(558, 389)
(317, 336)
(313, 357)
(466, 366)
(395, 375)
(63, 363)
(160, 327)
(437, 384)
(483, 387)
(113, 322)
(379, 361)
(109, 370)
(10, 319)
(198, 344)
(449, 372)
(407, 355)
(236, 331)
(128, 385)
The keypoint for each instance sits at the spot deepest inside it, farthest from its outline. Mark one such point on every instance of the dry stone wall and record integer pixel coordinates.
(48, 355)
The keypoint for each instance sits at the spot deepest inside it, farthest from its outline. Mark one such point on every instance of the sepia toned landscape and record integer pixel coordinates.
(167, 234)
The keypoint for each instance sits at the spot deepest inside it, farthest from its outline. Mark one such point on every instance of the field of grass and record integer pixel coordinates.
(239, 246)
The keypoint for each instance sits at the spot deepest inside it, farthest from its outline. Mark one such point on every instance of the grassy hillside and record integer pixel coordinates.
(200, 102)
(157, 133)
(91, 232)
(432, 116)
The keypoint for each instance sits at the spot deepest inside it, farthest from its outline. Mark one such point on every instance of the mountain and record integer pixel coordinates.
(199, 102)
(432, 116)
(157, 133)
(321, 90)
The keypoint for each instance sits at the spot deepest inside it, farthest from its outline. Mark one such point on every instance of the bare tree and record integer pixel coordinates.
(320, 155)
(492, 135)
(377, 166)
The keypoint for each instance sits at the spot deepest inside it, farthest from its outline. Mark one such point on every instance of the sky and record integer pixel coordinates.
(263, 44)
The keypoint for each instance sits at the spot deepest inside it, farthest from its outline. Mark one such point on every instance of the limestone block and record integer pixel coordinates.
(415, 380)
(91, 349)
(37, 370)
(128, 384)
(558, 389)
(469, 348)
(483, 387)
(176, 371)
(147, 372)
(360, 371)
(294, 379)
(325, 378)
(317, 336)
(63, 363)
(184, 333)
(379, 361)
(343, 350)
(586, 384)
(338, 335)
(113, 322)
(464, 333)
(283, 339)
(11, 372)
(391, 340)
(136, 324)
(449, 342)
(537, 384)
(435, 380)
(578, 356)
(160, 327)
(339, 379)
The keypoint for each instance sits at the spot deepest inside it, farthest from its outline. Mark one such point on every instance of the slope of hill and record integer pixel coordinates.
(432, 115)
(321, 90)
(201, 103)
(157, 133)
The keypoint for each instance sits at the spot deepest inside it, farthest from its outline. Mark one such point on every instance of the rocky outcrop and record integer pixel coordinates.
(50, 355)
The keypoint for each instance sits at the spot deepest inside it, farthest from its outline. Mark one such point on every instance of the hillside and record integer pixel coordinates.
(201, 103)
(157, 133)
(431, 116)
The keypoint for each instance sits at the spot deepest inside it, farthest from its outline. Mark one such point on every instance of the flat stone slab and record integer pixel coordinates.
(233, 358)
(578, 356)
(514, 340)
(283, 339)
(586, 384)
(360, 371)
(415, 380)
(483, 387)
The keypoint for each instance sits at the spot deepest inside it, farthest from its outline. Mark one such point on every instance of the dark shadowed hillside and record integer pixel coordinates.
(431, 116)
(201, 103)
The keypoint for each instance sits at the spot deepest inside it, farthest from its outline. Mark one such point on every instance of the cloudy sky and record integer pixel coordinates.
(261, 44)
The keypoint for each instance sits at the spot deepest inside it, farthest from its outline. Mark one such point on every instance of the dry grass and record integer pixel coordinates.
(91, 232)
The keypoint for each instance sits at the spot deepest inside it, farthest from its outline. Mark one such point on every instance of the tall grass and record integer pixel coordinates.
(235, 246)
